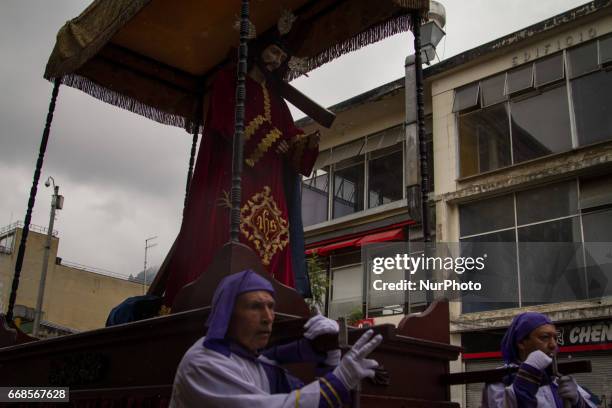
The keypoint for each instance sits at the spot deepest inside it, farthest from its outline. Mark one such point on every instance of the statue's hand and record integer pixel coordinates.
(282, 147)
(313, 139)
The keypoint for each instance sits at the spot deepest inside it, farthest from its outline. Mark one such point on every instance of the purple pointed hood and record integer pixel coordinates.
(521, 326)
(225, 297)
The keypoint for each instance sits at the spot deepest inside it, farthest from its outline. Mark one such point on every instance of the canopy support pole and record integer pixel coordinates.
(423, 159)
(28, 216)
(237, 155)
(196, 131)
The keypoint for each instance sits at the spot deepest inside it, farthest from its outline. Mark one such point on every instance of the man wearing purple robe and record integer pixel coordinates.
(529, 344)
(231, 368)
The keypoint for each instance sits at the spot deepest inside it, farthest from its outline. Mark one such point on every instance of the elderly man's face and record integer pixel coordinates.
(272, 57)
(252, 319)
(543, 338)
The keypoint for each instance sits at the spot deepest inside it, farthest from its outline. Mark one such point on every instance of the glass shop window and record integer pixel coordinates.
(541, 124)
(484, 140)
(315, 197)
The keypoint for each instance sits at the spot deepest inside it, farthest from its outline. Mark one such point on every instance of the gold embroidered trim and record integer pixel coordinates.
(297, 398)
(332, 389)
(255, 124)
(263, 146)
(263, 225)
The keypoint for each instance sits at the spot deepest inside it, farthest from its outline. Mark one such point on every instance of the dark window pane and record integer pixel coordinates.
(492, 90)
(484, 140)
(486, 215)
(466, 97)
(315, 196)
(541, 125)
(549, 70)
(550, 263)
(597, 237)
(596, 193)
(385, 179)
(499, 278)
(520, 79)
(605, 49)
(553, 201)
(348, 190)
(583, 59)
(592, 95)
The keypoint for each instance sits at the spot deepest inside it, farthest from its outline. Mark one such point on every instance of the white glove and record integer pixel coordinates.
(354, 366)
(538, 359)
(568, 389)
(318, 325)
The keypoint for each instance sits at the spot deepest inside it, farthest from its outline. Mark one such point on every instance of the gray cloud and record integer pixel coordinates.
(124, 176)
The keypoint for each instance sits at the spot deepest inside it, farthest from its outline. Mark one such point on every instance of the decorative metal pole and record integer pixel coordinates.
(237, 155)
(196, 131)
(421, 126)
(55, 204)
(28, 216)
(418, 63)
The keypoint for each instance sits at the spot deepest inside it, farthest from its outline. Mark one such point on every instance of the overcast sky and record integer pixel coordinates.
(123, 176)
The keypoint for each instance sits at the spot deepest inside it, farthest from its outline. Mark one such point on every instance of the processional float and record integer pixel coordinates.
(157, 58)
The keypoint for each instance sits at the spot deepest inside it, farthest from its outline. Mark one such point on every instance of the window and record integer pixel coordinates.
(559, 244)
(540, 125)
(338, 188)
(385, 184)
(315, 197)
(525, 113)
(484, 140)
(348, 187)
(592, 96)
(346, 284)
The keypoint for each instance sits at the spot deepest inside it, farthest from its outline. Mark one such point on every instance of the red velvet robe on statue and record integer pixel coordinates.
(264, 218)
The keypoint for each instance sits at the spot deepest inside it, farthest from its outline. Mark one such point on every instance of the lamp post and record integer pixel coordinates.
(426, 38)
(57, 202)
(147, 246)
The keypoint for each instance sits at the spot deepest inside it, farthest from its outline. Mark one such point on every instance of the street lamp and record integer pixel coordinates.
(147, 246)
(431, 35)
(57, 203)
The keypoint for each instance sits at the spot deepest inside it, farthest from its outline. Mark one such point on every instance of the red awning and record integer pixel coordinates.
(391, 235)
(326, 249)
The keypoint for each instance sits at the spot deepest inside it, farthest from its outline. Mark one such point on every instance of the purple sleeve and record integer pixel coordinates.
(526, 384)
(333, 392)
(299, 351)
